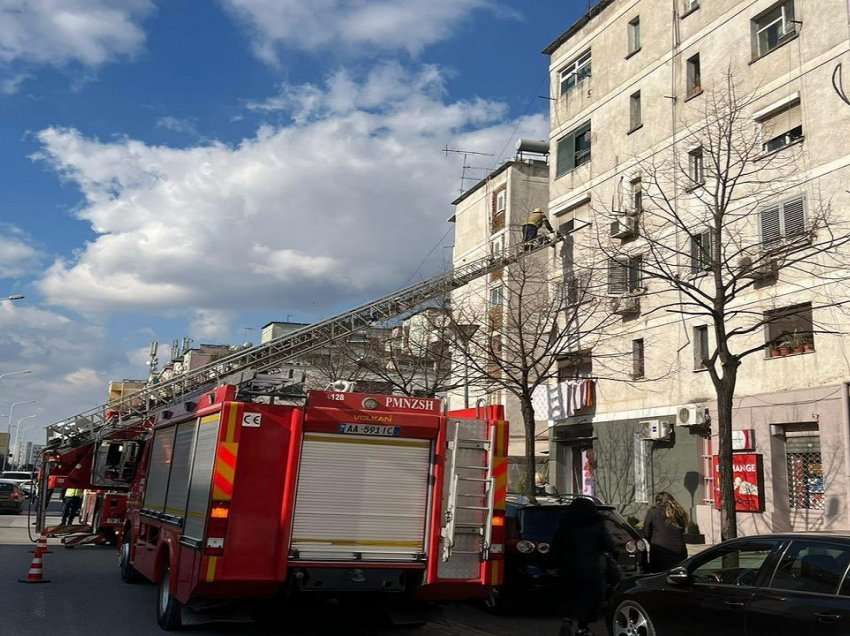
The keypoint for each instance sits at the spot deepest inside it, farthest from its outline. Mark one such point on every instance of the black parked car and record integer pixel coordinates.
(530, 565)
(754, 586)
(11, 496)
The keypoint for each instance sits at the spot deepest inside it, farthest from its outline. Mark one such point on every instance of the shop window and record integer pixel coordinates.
(790, 330)
(812, 566)
(805, 469)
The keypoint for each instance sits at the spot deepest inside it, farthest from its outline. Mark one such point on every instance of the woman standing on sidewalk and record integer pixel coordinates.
(664, 528)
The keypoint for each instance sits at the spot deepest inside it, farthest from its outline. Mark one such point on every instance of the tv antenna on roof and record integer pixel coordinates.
(466, 154)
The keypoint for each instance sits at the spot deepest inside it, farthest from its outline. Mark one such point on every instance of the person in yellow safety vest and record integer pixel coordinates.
(536, 219)
(73, 501)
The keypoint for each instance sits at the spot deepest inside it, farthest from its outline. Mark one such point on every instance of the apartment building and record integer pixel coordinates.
(488, 220)
(629, 82)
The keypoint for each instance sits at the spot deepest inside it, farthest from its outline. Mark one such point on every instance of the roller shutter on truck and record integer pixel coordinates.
(361, 498)
(162, 449)
(202, 470)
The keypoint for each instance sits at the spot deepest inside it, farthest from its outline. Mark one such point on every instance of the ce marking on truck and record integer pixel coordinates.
(252, 420)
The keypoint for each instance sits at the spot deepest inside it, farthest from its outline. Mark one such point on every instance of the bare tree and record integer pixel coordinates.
(526, 324)
(723, 219)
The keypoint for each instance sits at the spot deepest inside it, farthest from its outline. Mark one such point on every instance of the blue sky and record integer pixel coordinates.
(196, 167)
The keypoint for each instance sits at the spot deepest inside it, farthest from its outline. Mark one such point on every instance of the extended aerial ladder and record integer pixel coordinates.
(136, 412)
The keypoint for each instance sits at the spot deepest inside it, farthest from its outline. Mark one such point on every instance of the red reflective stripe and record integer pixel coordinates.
(222, 484)
(227, 456)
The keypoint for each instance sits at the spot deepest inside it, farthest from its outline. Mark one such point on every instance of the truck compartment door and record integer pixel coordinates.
(361, 497)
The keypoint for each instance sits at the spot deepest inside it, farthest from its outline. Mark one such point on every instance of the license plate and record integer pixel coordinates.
(370, 429)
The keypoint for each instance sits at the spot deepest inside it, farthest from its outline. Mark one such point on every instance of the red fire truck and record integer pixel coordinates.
(349, 492)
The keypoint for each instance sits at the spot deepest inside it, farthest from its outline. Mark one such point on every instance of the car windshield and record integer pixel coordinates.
(540, 523)
(6, 487)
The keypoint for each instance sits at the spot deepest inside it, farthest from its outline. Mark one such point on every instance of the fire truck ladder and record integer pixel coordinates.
(469, 505)
(135, 412)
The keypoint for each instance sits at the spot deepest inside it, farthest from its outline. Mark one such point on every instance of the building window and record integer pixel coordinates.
(637, 195)
(624, 275)
(576, 71)
(701, 252)
(635, 117)
(701, 353)
(637, 359)
(694, 76)
(497, 247)
(634, 35)
(696, 167)
(578, 364)
(496, 297)
(500, 205)
(805, 470)
(784, 221)
(789, 330)
(782, 127)
(773, 27)
(574, 149)
(690, 6)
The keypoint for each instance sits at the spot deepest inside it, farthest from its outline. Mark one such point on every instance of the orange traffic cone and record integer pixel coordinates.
(35, 572)
(41, 546)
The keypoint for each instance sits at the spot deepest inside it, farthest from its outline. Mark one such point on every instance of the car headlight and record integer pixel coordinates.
(543, 548)
(525, 547)
(643, 545)
(631, 546)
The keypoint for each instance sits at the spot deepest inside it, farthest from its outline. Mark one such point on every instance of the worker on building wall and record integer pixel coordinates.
(536, 218)
(73, 502)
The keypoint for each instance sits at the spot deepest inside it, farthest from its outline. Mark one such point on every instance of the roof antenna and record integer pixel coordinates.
(466, 166)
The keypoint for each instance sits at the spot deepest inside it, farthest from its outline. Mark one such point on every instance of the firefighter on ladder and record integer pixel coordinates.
(536, 218)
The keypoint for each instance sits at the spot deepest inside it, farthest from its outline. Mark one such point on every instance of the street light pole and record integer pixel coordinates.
(9, 425)
(18, 430)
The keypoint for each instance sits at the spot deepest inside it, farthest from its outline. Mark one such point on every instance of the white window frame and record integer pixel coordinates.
(696, 166)
(783, 19)
(691, 5)
(496, 294)
(573, 69)
(501, 201)
(783, 236)
(642, 469)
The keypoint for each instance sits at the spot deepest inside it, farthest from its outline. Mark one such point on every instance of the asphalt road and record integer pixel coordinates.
(85, 597)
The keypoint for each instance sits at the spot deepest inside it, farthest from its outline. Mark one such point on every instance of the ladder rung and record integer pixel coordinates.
(485, 480)
(474, 441)
(469, 525)
(474, 467)
(466, 551)
(472, 507)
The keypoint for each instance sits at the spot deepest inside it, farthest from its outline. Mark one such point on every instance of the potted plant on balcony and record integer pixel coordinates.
(798, 342)
(784, 347)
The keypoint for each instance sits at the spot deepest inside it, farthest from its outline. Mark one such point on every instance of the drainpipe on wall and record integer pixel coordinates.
(845, 434)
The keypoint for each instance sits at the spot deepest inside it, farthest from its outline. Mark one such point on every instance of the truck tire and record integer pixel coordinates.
(129, 574)
(168, 609)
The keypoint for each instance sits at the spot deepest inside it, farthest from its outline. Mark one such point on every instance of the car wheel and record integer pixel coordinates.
(129, 574)
(168, 609)
(631, 619)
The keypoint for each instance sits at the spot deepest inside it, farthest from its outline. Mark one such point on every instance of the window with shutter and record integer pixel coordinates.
(618, 277)
(794, 218)
(635, 274)
(784, 221)
(701, 252)
(573, 149)
(771, 229)
(566, 152)
(637, 358)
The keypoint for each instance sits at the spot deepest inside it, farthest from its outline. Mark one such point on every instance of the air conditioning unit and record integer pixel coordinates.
(625, 305)
(763, 270)
(624, 227)
(691, 415)
(658, 430)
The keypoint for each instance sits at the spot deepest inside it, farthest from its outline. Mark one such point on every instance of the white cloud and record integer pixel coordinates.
(17, 255)
(182, 125)
(56, 32)
(11, 85)
(340, 205)
(352, 25)
(211, 325)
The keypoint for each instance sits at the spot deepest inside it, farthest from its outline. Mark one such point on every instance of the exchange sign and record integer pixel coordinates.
(747, 480)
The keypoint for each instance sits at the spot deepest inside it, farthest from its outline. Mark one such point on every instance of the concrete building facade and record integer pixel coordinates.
(628, 82)
(488, 220)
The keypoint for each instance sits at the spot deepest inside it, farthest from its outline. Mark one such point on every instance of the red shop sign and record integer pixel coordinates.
(748, 481)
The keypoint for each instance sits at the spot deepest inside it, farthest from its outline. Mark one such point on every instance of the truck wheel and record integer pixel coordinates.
(129, 574)
(168, 609)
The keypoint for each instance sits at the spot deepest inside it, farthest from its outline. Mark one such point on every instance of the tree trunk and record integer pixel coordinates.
(728, 516)
(530, 458)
